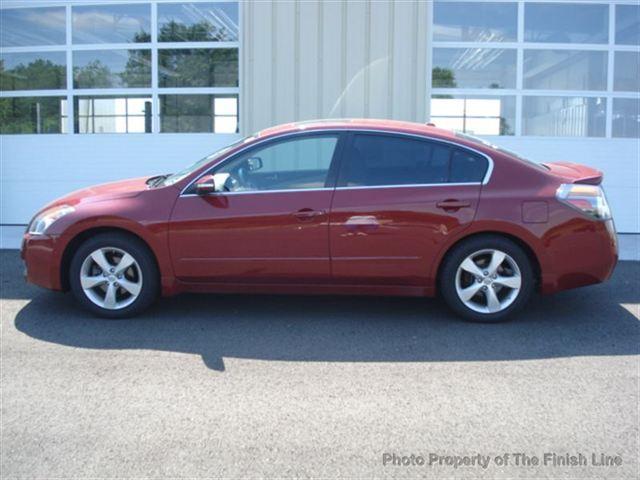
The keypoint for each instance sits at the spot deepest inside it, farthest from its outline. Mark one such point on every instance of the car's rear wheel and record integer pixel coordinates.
(114, 275)
(487, 278)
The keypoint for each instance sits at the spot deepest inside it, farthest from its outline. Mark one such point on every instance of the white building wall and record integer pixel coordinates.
(35, 169)
(299, 60)
(618, 158)
(316, 59)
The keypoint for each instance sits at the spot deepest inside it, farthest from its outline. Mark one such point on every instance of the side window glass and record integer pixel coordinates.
(467, 167)
(377, 160)
(300, 163)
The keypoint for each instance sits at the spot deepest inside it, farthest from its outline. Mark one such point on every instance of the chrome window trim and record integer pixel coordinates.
(356, 187)
(303, 132)
(247, 192)
(410, 185)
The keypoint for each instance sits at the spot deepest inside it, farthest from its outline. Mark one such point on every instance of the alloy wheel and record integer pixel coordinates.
(488, 281)
(111, 278)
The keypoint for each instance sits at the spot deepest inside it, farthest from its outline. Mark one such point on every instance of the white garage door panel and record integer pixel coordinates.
(36, 169)
(619, 159)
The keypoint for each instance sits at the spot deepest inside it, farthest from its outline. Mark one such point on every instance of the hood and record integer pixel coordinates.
(575, 172)
(106, 191)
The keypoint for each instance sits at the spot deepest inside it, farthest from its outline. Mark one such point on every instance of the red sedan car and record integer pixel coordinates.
(333, 207)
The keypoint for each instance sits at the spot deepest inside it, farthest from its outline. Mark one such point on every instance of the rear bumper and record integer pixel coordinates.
(585, 253)
(41, 261)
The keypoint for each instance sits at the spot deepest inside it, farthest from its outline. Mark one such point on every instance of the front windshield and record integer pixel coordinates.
(480, 141)
(176, 177)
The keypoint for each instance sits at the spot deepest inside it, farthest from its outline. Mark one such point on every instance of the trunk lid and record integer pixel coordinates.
(575, 172)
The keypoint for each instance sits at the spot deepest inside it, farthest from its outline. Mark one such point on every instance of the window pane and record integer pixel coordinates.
(21, 27)
(226, 106)
(626, 72)
(199, 68)
(32, 115)
(112, 114)
(564, 116)
(474, 68)
(112, 68)
(565, 70)
(377, 160)
(291, 164)
(186, 113)
(198, 22)
(566, 23)
(33, 71)
(475, 22)
(112, 24)
(467, 167)
(628, 24)
(137, 125)
(626, 117)
(137, 106)
(195, 113)
(474, 114)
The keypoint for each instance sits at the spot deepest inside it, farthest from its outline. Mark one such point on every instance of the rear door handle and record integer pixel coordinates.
(453, 205)
(306, 214)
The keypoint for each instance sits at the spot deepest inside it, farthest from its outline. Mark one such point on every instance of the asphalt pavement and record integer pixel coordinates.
(225, 386)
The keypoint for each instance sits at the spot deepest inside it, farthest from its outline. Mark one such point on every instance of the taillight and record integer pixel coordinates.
(588, 198)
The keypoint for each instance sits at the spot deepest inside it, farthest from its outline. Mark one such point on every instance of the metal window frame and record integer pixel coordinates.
(154, 91)
(609, 46)
(344, 132)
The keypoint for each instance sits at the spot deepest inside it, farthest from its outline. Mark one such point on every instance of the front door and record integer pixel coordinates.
(270, 225)
(398, 199)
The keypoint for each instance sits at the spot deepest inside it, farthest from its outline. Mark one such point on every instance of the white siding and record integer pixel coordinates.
(35, 169)
(300, 60)
(618, 158)
(312, 59)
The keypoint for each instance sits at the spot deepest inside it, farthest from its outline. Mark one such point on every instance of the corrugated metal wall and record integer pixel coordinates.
(306, 59)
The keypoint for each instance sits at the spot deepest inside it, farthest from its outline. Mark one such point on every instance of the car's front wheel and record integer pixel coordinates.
(487, 278)
(114, 275)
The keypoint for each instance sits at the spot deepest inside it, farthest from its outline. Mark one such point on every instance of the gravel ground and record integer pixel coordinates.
(333, 387)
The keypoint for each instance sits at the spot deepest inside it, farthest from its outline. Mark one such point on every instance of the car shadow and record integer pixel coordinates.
(586, 322)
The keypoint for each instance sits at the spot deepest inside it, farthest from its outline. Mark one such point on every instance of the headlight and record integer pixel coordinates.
(588, 198)
(42, 221)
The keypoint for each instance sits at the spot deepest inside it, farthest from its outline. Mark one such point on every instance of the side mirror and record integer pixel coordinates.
(254, 163)
(205, 184)
(211, 183)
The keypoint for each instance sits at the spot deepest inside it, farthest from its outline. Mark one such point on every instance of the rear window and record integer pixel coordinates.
(376, 160)
(466, 167)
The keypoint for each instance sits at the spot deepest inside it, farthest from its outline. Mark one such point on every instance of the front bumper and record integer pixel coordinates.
(41, 261)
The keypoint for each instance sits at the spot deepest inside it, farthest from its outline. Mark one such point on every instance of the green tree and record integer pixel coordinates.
(40, 74)
(142, 37)
(198, 32)
(505, 128)
(199, 68)
(443, 77)
(137, 72)
(93, 75)
(30, 115)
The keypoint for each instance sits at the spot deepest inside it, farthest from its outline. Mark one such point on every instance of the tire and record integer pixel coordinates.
(459, 278)
(107, 290)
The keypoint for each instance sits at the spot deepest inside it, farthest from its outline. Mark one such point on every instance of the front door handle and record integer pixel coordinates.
(452, 204)
(307, 214)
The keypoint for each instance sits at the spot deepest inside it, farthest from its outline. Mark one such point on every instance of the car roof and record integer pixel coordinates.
(361, 124)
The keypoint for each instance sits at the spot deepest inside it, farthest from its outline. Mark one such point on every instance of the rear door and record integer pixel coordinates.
(398, 199)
